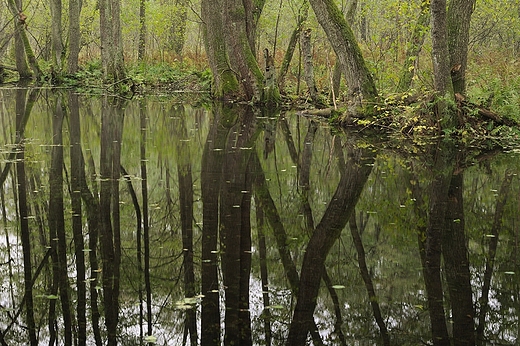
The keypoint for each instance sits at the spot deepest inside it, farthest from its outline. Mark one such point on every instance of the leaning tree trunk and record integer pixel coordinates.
(362, 89)
(414, 48)
(458, 23)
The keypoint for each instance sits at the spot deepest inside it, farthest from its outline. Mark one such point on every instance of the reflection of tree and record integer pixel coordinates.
(367, 279)
(23, 214)
(57, 234)
(492, 250)
(211, 177)
(77, 174)
(235, 228)
(110, 240)
(354, 175)
(186, 210)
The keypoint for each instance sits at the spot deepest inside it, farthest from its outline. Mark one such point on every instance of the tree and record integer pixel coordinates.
(56, 33)
(74, 34)
(111, 40)
(230, 27)
(362, 89)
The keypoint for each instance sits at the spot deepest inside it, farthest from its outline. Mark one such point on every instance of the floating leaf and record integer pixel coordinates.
(274, 307)
(150, 339)
(338, 287)
(509, 273)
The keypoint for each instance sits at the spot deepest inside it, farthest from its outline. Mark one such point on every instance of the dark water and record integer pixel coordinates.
(245, 227)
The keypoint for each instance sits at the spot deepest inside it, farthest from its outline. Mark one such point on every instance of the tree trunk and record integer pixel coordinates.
(289, 52)
(74, 34)
(111, 40)
(458, 25)
(362, 89)
(414, 48)
(441, 64)
(56, 34)
(225, 82)
(142, 30)
(308, 67)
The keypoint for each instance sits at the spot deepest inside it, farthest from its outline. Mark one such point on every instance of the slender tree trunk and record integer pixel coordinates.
(23, 215)
(56, 34)
(308, 67)
(142, 30)
(74, 34)
(289, 52)
(76, 178)
(350, 14)
(414, 48)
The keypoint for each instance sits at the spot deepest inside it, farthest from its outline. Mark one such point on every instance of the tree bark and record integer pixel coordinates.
(111, 40)
(308, 67)
(458, 25)
(441, 64)
(74, 34)
(142, 30)
(362, 89)
(56, 34)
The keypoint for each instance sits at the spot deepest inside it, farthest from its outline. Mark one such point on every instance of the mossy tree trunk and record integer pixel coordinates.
(56, 34)
(230, 27)
(362, 89)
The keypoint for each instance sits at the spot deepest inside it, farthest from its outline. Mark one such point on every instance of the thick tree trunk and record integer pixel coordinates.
(362, 89)
(458, 25)
(111, 40)
(225, 82)
(74, 34)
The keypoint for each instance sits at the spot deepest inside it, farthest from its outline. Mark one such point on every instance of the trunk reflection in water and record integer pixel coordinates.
(150, 221)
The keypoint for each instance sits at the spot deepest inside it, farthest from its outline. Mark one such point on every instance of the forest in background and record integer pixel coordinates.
(170, 51)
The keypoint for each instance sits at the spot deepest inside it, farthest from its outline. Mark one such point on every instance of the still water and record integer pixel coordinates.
(155, 220)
